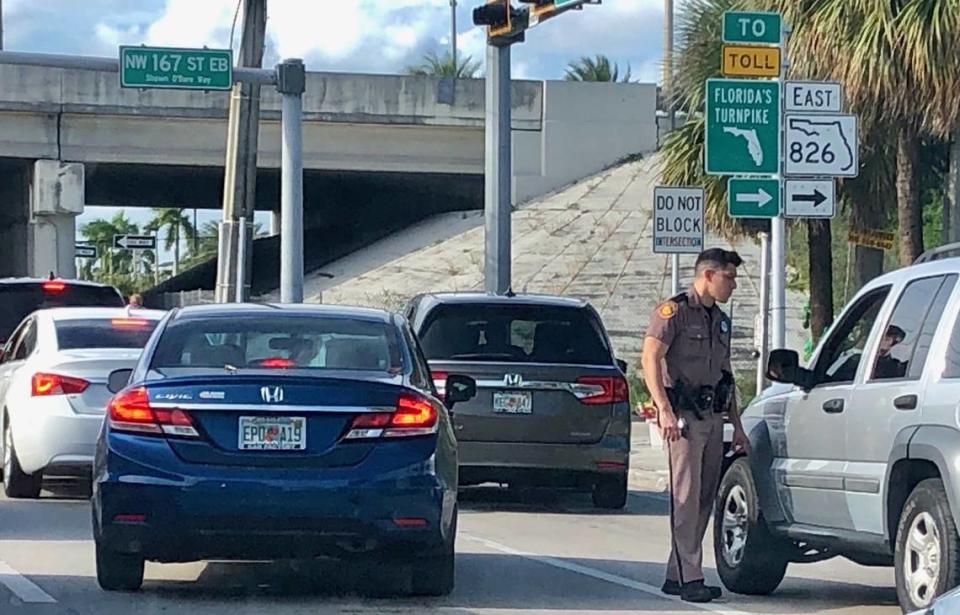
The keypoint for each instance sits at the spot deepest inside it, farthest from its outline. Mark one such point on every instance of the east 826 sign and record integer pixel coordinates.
(677, 220)
(822, 145)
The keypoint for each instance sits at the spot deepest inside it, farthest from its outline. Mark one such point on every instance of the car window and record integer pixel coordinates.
(840, 358)
(11, 344)
(104, 333)
(28, 341)
(279, 342)
(906, 338)
(522, 333)
(19, 300)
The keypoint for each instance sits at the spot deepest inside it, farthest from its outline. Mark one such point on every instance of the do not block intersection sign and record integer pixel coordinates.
(677, 220)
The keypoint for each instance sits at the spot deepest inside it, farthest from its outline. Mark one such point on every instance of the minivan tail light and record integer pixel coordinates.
(603, 390)
(130, 410)
(53, 286)
(43, 384)
(415, 415)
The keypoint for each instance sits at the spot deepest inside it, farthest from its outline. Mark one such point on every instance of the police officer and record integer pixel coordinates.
(686, 366)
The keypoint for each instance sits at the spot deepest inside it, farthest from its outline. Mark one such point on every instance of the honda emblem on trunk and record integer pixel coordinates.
(272, 395)
(513, 380)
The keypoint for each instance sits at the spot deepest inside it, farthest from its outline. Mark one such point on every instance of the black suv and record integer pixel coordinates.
(20, 297)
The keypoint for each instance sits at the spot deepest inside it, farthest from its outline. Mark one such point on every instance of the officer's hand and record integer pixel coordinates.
(740, 442)
(669, 428)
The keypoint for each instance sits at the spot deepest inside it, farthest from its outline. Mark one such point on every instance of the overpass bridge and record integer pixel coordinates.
(372, 144)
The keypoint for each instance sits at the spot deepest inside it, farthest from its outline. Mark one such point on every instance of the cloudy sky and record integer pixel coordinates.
(370, 36)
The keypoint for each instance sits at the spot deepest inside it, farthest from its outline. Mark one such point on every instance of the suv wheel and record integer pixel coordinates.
(927, 557)
(610, 492)
(750, 559)
(16, 482)
(118, 571)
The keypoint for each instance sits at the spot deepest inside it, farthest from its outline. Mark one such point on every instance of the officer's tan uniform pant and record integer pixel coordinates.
(695, 463)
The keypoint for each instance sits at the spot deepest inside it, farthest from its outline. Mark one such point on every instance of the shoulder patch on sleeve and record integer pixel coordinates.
(667, 309)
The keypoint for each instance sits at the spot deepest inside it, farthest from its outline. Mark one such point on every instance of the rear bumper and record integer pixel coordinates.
(233, 513)
(492, 461)
(55, 439)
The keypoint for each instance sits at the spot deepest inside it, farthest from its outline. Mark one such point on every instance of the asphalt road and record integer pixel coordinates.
(528, 552)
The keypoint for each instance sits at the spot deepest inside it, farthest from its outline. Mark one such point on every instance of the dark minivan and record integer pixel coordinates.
(20, 297)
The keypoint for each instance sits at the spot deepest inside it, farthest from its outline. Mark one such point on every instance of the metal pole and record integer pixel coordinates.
(668, 61)
(453, 33)
(241, 259)
(764, 311)
(498, 171)
(1, 24)
(675, 275)
(778, 238)
(290, 83)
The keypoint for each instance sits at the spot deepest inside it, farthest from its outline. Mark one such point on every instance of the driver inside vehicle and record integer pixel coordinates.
(887, 366)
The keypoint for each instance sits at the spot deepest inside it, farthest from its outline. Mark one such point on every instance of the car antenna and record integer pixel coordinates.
(231, 368)
(510, 292)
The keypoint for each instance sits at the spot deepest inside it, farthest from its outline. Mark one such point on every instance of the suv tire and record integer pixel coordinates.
(750, 559)
(927, 553)
(16, 482)
(610, 492)
(118, 571)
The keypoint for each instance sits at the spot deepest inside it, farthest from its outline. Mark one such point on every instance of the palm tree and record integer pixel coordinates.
(444, 66)
(173, 221)
(115, 265)
(598, 68)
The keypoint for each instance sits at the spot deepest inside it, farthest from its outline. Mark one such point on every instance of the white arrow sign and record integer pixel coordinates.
(761, 197)
(135, 242)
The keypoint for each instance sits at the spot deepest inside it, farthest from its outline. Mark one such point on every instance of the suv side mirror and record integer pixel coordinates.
(784, 366)
(459, 388)
(118, 380)
(622, 365)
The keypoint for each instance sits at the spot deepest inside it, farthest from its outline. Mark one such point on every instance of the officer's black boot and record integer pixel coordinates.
(697, 591)
(671, 588)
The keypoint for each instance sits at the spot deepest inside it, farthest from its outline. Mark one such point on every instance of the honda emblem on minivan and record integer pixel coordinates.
(272, 395)
(513, 380)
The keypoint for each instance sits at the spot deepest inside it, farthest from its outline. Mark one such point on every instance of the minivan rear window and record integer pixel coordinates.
(20, 299)
(521, 333)
(278, 342)
(120, 332)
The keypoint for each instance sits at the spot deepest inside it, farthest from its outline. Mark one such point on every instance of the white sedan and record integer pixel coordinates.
(53, 389)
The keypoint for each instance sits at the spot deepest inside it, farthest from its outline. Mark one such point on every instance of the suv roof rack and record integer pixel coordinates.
(945, 251)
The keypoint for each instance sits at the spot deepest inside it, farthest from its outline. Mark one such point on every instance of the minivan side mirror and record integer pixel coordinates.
(784, 366)
(118, 380)
(459, 388)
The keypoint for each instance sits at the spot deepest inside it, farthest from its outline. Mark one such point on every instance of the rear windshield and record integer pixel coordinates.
(279, 342)
(533, 334)
(19, 300)
(104, 333)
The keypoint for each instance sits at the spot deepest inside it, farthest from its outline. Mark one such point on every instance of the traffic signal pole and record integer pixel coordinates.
(498, 171)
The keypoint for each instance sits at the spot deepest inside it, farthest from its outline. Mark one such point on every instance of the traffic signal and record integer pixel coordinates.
(497, 15)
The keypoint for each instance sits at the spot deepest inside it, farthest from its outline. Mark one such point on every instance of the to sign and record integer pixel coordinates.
(809, 198)
(678, 220)
(171, 68)
(822, 145)
(85, 251)
(753, 198)
(813, 96)
(740, 27)
(135, 242)
(743, 127)
(751, 61)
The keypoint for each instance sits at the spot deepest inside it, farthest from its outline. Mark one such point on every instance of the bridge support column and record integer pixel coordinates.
(56, 198)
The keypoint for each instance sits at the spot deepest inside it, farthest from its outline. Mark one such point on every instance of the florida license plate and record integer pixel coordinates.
(513, 402)
(273, 433)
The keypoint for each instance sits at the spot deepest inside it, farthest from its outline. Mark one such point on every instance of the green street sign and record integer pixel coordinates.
(742, 27)
(753, 198)
(176, 69)
(742, 133)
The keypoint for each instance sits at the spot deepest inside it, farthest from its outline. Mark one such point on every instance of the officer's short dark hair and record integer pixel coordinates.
(717, 258)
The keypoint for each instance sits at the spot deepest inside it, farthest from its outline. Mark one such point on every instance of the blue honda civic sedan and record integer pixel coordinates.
(278, 432)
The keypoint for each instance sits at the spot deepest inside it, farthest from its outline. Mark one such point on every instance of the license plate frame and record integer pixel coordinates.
(513, 402)
(292, 429)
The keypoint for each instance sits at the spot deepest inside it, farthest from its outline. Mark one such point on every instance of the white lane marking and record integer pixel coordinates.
(599, 574)
(22, 587)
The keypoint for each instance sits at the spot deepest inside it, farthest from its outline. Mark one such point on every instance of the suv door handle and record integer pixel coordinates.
(905, 402)
(833, 406)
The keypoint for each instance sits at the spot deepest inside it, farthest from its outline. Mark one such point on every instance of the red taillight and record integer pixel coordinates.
(130, 410)
(54, 384)
(53, 286)
(410, 522)
(440, 382)
(606, 390)
(135, 323)
(129, 518)
(277, 362)
(415, 416)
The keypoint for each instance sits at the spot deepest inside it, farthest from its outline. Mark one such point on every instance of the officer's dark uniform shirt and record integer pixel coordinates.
(697, 337)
